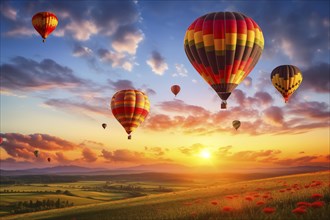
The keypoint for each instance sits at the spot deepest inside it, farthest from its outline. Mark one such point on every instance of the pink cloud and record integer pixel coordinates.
(89, 155)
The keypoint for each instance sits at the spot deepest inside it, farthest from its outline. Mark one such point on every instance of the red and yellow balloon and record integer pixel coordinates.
(130, 107)
(45, 23)
(223, 47)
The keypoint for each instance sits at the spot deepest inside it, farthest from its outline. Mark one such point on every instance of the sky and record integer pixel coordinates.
(56, 95)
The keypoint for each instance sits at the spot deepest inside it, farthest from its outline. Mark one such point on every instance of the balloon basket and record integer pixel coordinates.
(223, 105)
(129, 137)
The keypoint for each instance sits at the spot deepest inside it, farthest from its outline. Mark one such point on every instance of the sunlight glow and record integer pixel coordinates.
(205, 154)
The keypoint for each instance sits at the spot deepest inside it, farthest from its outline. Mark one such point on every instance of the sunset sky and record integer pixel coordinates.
(55, 95)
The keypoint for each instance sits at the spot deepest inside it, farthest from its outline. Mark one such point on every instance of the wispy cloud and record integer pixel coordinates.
(157, 63)
(180, 70)
(25, 74)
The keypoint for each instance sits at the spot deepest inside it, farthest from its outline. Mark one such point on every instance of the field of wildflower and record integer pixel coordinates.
(301, 197)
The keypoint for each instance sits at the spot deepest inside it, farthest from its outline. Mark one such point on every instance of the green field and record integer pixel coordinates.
(237, 200)
(82, 192)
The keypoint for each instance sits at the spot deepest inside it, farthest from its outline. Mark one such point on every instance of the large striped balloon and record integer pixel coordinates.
(223, 47)
(130, 108)
(286, 79)
(45, 23)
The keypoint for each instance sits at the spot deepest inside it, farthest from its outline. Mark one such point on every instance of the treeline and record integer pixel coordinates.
(65, 192)
(23, 207)
(143, 177)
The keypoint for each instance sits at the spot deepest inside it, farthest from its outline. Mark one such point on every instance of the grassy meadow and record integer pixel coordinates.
(301, 196)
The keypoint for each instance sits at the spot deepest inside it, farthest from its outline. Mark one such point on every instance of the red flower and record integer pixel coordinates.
(305, 204)
(317, 196)
(260, 203)
(214, 202)
(187, 203)
(229, 197)
(248, 198)
(269, 210)
(256, 195)
(282, 190)
(299, 211)
(317, 204)
(227, 209)
(265, 196)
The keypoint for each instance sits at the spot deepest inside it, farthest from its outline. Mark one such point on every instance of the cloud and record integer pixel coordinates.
(157, 63)
(127, 39)
(274, 115)
(247, 82)
(192, 150)
(124, 155)
(310, 110)
(82, 51)
(23, 146)
(179, 106)
(95, 106)
(7, 11)
(297, 161)
(316, 78)
(61, 158)
(155, 151)
(180, 71)
(116, 59)
(24, 74)
(89, 155)
(20, 31)
(121, 84)
(257, 114)
(81, 30)
(283, 41)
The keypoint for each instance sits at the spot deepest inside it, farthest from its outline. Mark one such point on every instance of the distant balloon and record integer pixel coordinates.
(36, 153)
(223, 47)
(130, 108)
(45, 23)
(175, 89)
(286, 79)
(236, 124)
(48, 159)
(104, 125)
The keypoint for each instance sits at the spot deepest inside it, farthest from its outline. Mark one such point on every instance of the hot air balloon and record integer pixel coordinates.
(104, 125)
(286, 79)
(48, 159)
(36, 153)
(45, 23)
(236, 124)
(130, 108)
(223, 47)
(1, 140)
(175, 89)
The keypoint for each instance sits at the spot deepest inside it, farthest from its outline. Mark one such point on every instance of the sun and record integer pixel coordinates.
(205, 154)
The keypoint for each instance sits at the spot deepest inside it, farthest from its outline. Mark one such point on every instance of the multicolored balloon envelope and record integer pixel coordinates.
(130, 108)
(175, 89)
(236, 124)
(286, 79)
(223, 47)
(45, 23)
